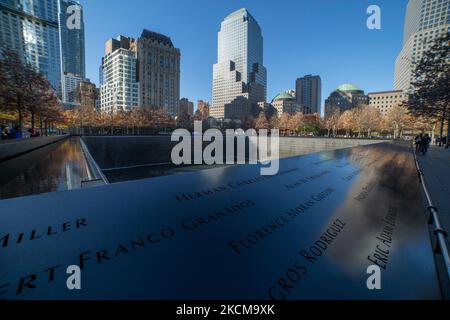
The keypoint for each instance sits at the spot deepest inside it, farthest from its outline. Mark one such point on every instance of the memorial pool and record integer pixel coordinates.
(309, 232)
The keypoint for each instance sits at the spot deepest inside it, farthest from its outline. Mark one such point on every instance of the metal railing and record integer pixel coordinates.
(433, 219)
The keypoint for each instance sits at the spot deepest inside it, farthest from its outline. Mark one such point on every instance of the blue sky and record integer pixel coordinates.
(325, 37)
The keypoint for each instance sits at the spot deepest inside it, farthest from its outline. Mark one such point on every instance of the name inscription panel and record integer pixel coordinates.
(309, 232)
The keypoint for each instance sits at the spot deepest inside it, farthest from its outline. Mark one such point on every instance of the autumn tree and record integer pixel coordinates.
(398, 118)
(346, 122)
(186, 121)
(16, 78)
(45, 103)
(283, 122)
(274, 121)
(331, 120)
(430, 96)
(248, 122)
(261, 122)
(295, 122)
(26, 91)
(371, 119)
(311, 123)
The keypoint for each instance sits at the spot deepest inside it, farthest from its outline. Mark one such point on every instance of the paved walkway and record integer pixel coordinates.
(14, 147)
(436, 169)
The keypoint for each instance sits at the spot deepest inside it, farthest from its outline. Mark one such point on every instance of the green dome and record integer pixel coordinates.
(283, 96)
(347, 87)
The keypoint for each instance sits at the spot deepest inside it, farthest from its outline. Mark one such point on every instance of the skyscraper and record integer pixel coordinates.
(71, 50)
(308, 91)
(424, 21)
(119, 88)
(72, 40)
(37, 31)
(158, 72)
(31, 29)
(239, 77)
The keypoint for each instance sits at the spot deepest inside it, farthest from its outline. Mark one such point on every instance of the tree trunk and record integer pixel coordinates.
(40, 125)
(447, 143)
(441, 133)
(433, 133)
(81, 123)
(32, 120)
(20, 119)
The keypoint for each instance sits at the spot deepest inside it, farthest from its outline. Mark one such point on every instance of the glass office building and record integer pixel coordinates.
(37, 30)
(239, 77)
(424, 21)
(72, 51)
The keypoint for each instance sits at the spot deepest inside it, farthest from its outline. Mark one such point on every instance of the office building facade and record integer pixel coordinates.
(158, 72)
(185, 108)
(69, 83)
(87, 95)
(386, 100)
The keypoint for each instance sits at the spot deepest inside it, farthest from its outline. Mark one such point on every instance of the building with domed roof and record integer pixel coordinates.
(285, 102)
(345, 97)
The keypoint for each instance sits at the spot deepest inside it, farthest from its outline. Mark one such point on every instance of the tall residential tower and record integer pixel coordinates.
(119, 87)
(239, 77)
(308, 91)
